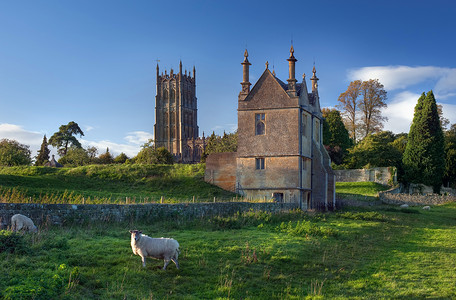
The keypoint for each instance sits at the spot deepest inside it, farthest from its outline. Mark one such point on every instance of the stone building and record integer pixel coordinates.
(176, 126)
(280, 150)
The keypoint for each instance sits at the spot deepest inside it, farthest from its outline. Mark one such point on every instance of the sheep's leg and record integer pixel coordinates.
(175, 262)
(166, 264)
(143, 258)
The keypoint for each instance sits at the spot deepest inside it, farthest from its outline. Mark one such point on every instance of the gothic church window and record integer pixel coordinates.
(259, 124)
(304, 124)
(259, 163)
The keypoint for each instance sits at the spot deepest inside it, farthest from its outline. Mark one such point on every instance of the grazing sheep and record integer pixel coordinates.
(21, 222)
(427, 207)
(404, 206)
(159, 248)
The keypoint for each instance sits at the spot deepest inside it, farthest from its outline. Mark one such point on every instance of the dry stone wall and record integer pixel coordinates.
(62, 214)
(395, 197)
(384, 175)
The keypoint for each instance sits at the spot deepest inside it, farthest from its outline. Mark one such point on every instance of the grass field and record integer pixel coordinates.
(383, 252)
(108, 184)
(358, 253)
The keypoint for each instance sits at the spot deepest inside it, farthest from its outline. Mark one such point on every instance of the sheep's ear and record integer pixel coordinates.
(131, 231)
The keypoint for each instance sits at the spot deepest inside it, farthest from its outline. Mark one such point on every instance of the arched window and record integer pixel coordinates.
(260, 128)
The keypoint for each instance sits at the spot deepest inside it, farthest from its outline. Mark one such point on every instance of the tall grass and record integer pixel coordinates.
(96, 184)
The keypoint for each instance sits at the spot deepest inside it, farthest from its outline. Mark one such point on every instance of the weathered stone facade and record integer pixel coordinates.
(176, 126)
(280, 153)
(221, 170)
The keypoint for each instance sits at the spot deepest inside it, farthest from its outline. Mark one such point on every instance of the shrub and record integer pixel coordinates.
(12, 242)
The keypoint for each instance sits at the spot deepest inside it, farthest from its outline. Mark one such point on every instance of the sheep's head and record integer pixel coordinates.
(135, 234)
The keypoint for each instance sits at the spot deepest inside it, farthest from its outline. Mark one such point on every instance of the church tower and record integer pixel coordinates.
(176, 126)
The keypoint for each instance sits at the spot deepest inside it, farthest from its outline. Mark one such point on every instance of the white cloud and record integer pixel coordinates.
(23, 136)
(88, 128)
(139, 137)
(403, 77)
(134, 140)
(219, 129)
(412, 81)
(400, 112)
(114, 148)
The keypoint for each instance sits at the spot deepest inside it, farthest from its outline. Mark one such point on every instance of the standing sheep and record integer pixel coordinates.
(21, 222)
(159, 248)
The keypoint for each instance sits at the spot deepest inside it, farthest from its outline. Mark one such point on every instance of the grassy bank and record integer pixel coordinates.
(108, 184)
(361, 191)
(366, 254)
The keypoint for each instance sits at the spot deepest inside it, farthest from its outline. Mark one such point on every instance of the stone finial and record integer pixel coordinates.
(267, 65)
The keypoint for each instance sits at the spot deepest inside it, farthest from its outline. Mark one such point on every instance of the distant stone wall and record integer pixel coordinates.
(384, 175)
(221, 170)
(61, 214)
(395, 197)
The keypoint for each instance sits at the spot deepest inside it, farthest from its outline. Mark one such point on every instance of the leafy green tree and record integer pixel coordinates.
(335, 136)
(449, 177)
(121, 158)
(43, 153)
(12, 153)
(151, 155)
(217, 144)
(65, 137)
(163, 156)
(106, 158)
(376, 150)
(423, 159)
(75, 157)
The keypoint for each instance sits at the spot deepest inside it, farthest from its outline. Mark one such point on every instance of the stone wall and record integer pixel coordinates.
(61, 214)
(385, 175)
(221, 170)
(395, 197)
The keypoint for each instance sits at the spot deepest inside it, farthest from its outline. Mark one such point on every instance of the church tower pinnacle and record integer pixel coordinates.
(245, 77)
(291, 73)
(314, 80)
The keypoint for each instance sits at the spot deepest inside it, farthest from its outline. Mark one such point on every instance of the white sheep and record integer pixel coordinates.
(427, 207)
(404, 206)
(159, 248)
(21, 222)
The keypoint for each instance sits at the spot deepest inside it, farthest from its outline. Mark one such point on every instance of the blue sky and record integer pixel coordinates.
(93, 62)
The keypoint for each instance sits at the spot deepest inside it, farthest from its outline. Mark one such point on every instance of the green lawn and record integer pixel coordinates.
(378, 253)
(108, 184)
(364, 191)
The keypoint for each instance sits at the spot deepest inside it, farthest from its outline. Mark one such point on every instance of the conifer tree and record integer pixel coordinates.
(424, 154)
(43, 153)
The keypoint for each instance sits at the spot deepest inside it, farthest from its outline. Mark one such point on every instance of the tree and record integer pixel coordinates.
(449, 177)
(106, 158)
(43, 153)
(376, 150)
(75, 157)
(372, 101)
(151, 155)
(349, 106)
(12, 153)
(364, 98)
(424, 155)
(217, 144)
(335, 136)
(92, 153)
(64, 138)
(121, 158)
